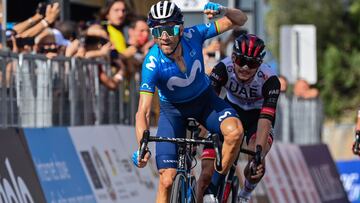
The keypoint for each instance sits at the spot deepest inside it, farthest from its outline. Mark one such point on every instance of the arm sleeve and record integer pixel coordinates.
(271, 92)
(148, 75)
(208, 30)
(219, 76)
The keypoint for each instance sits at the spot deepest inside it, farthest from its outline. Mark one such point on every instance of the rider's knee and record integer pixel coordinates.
(232, 130)
(166, 181)
(167, 178)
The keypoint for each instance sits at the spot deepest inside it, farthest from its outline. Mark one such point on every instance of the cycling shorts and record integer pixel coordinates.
(208, 109)
(250, 123)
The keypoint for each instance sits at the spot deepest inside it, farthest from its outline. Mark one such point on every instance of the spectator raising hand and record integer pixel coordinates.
(51, 14)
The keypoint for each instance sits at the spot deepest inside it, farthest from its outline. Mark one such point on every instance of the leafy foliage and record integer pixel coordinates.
(338, 45)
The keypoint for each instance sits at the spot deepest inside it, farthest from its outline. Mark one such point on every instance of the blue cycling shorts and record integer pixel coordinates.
(208, 109)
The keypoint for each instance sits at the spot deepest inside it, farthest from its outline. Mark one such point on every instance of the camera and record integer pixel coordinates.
(41, 9)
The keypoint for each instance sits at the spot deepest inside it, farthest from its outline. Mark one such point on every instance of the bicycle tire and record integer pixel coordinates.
(193, 188)
(178, 191)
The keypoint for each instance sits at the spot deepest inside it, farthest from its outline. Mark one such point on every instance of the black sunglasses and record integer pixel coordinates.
(242, 60)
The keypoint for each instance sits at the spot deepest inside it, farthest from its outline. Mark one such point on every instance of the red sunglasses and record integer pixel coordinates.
(243, 60)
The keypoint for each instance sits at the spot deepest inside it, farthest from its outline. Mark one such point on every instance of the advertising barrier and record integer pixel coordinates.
(148, 176)
(350, 177)
(294, 167)
(324, 173)
(277, 184)
(17, 184)
(107, 162)
(58, 167)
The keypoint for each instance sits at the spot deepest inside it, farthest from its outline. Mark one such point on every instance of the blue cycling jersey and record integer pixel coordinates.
(161, 71)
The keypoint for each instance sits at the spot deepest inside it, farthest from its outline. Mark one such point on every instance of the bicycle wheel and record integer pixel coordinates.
(178, 191)
(191, 190)
(234, 189)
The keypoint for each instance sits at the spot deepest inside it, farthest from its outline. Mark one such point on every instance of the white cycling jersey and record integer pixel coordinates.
(248, 95)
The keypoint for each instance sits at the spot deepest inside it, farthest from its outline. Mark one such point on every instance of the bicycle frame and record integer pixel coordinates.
(185, 157)
(225, 188)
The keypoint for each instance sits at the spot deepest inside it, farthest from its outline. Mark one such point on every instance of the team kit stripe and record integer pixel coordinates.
(267, 110)
(146, 92)
(217, 27)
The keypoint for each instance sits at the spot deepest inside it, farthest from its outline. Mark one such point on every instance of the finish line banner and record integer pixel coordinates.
(350, 177)
(61, 176)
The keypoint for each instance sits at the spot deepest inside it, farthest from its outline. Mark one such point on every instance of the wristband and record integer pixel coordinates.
(44, 23)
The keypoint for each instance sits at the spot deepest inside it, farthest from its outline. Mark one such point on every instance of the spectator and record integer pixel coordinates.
(139, 36)
(115, 13)
(51, 14)
(283, 84)
(303, 90)
(46, 44)
(97, 45)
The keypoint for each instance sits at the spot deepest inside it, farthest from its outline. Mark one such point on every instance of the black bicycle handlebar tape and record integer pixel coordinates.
(257, 159)
(217, 147)
(143, 143)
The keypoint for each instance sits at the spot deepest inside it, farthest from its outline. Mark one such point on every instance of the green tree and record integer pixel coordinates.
(338, 45)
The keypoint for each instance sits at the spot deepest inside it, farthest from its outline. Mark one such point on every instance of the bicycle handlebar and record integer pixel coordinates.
(215, 141)
(217, 147)
(257, 159)
(143, 144)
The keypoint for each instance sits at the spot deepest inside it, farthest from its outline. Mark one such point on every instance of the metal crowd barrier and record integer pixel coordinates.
(40, 92)
(299, 120)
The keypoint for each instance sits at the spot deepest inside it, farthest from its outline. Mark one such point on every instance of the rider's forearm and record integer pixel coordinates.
(236, 16)
(142, 123)
(264, 127)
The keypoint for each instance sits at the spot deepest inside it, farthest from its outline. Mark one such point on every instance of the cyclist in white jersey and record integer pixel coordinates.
(252, 89)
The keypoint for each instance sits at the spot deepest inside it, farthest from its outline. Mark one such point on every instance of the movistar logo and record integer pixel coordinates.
(183, 82)
(151, 64)
(188, 34)
(227, 113)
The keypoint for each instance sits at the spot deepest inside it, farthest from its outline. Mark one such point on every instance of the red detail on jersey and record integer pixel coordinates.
(268, 111)
(208, 154)
(251, 44)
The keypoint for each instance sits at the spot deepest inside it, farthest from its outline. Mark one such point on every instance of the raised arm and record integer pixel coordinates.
(52, 12)
(232, 17)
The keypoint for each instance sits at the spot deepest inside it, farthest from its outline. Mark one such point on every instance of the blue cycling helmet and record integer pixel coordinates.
(249, 45)
(163, 12)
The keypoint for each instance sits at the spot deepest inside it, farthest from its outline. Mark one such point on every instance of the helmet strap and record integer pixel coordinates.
(174, 48)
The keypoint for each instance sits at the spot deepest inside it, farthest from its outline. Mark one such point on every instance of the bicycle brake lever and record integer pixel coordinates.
(256, 160)
(143, 144)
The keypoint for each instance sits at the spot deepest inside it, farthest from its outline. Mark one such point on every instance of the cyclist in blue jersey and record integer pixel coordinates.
(175, 66)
